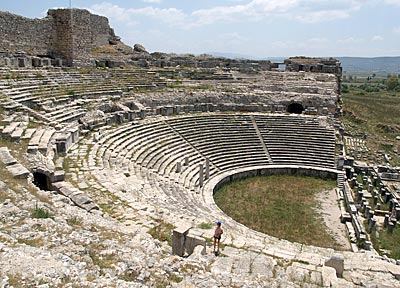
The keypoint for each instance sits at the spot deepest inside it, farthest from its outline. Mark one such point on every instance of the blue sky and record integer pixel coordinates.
(258, 28)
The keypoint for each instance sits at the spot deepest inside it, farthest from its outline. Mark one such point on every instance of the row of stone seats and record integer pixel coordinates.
(41, 140)
(296, 140)
(227, 140)
(12, 165)
(154, 146)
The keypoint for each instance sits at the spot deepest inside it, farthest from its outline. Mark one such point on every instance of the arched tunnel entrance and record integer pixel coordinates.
(42, 181)
(295, 108)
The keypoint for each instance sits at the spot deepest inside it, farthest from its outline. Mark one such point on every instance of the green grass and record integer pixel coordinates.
(386, 241)
(162, 232)
(40, 213)
(282, 206)
(376, 115)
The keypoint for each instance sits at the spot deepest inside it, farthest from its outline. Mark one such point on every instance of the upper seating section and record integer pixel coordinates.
(297, 140)
(228, 140)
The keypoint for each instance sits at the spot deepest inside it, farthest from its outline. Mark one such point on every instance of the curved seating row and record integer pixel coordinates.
(175, 148)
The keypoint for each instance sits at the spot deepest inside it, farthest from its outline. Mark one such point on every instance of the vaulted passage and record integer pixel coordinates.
(41, 181)
(295, 108)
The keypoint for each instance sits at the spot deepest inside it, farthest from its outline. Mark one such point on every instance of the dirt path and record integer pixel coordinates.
(330, 212)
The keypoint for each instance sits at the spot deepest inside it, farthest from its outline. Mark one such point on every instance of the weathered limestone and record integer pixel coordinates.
(178, 240)
(336, 262)
(6, 157)
(18, 171)
(201, 174)
(12, 165)
(77, 196)
(192, 241)
(207, 169)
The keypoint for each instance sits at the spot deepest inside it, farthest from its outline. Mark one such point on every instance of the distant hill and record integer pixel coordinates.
(368, 65)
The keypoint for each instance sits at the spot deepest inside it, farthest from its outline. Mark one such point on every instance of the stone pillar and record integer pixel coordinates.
(362, 239)
(353, 182)
(207, 174)
(178, 240)
(142, 114)
(201, 175)
(360, 195)
(388, 196)
(370, 216)
(370, 187)
(340, 163)
(186, 161)
(366, 212)
(178, 167)
(375, 181)
(397, 213)
(364, 205)
(386, 221)
(390, 227)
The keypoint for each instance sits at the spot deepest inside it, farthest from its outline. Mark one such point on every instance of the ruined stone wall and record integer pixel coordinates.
(69, 34)
(22, 34)
(77, 32)
(318, 65)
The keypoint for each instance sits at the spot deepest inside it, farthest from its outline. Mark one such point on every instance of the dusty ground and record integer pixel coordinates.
(330, 212)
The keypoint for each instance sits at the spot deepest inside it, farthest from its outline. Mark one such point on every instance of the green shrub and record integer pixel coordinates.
(40, 213)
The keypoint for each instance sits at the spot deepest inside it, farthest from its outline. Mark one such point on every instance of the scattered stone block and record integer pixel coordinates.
(328, 276)
(178, 240)
(192, 242)
(6, 157)
(336, 262)
(18, 171)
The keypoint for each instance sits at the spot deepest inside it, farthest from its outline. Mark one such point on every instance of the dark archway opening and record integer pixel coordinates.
(41, 181)
(295, 108)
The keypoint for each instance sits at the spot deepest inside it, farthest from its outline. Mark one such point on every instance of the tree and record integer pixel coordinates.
(392, 82)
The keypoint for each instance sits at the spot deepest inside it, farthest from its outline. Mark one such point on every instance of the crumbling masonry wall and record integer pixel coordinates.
(18, 33)
(69, 34)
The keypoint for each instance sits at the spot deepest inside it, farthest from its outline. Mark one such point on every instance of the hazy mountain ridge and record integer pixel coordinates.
(375, 64)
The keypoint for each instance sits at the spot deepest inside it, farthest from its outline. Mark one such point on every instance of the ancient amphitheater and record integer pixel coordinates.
(114, 153)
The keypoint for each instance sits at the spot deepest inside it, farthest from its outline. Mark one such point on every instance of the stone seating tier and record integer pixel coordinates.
(229, 141)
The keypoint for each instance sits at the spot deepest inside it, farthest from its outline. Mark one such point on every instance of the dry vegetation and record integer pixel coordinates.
(373, 112)
(281, 206)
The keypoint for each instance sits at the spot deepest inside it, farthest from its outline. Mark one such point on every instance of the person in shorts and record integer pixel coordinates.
(217, 236)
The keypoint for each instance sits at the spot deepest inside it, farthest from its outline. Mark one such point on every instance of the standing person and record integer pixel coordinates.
(217, 236)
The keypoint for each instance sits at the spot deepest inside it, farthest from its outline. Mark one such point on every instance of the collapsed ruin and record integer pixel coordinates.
(156, 142)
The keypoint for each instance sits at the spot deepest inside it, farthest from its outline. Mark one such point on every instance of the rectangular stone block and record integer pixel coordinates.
(178, 240)
(192, 241)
